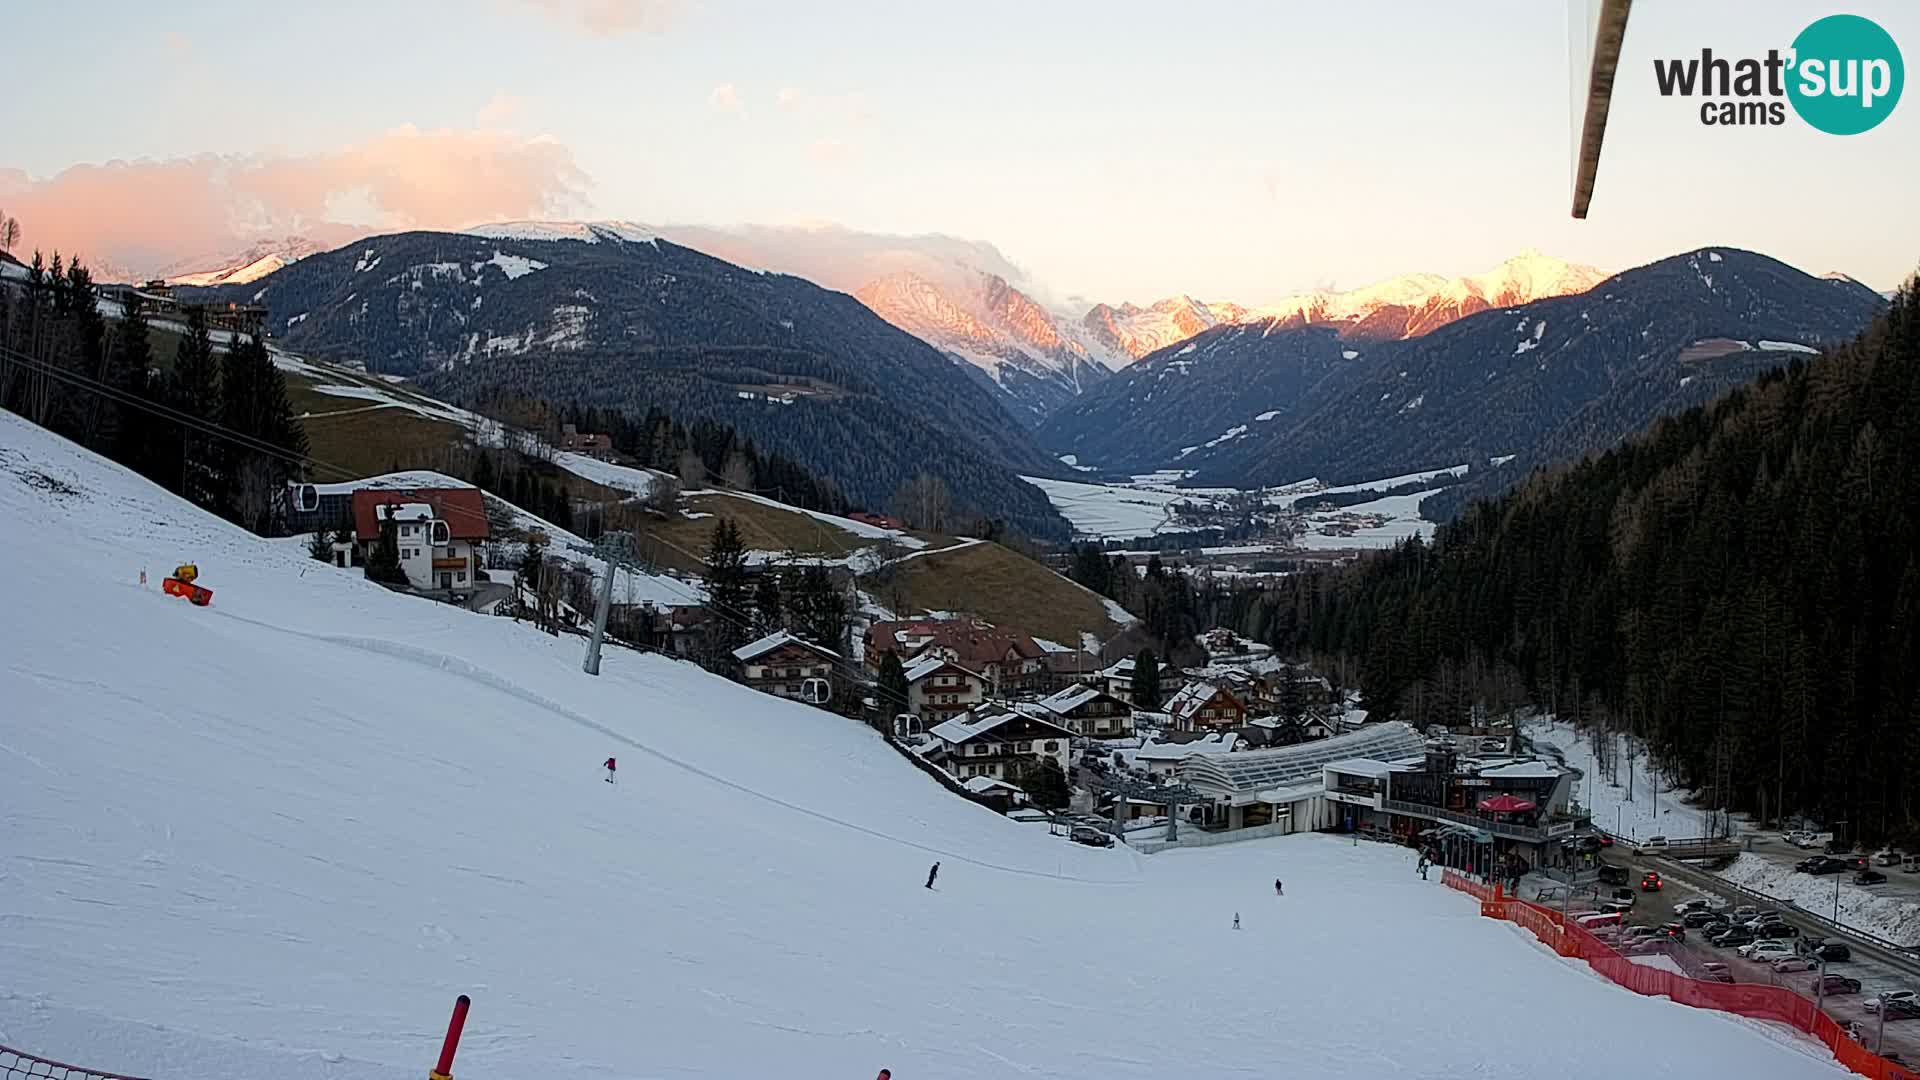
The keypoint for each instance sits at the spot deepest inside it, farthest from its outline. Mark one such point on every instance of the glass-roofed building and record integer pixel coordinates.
(1286, 787)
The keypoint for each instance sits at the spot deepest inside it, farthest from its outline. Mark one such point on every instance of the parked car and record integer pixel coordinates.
(1612, 875)
(1832, 952)
(1776, 931)
(1765, 950)
(1808, 944)
(1090, 836)
(1744, 912)
(1869, 877)
(1687, 907)
(1492, 746)
(1715, 972)
(1585, 845)
(1807, 865)
(1910, 865)
(1759, 919)
(1700, 920)
(1650, 882)
(1825, 864)
(1888, 997)
(1788, 964)
(1674, 930)
(1888, 857)
(1836, 984)
(1731, 937)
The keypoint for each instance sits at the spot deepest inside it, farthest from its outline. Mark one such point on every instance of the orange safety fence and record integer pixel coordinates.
(1775, 1003)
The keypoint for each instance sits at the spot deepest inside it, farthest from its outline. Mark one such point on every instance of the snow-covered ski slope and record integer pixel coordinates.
(276, 836)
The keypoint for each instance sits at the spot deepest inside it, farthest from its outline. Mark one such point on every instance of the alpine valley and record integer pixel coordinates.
(1294, 394)
(615, 316)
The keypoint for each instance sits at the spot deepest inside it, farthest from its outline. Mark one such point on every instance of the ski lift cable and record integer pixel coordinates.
(220, 431)
(459, 668)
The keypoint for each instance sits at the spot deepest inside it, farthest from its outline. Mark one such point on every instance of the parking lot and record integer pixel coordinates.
(1874, 973)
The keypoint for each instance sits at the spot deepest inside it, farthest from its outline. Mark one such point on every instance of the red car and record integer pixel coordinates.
(1605, 840)
(1651, 882)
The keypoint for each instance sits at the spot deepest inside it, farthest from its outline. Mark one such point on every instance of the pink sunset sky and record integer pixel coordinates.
(1110, 152)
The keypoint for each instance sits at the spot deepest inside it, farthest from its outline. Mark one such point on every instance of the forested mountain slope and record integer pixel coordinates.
(1739, 585)
(609, 315)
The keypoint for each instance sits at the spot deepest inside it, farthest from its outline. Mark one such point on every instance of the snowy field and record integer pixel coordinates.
(276, 836)
(1115, 511)
(1613, 810)
(1145, 507)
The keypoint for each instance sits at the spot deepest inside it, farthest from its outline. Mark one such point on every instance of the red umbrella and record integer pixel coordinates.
(1506, 804)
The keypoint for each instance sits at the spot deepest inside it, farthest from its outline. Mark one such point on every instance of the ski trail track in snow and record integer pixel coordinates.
(455, 666)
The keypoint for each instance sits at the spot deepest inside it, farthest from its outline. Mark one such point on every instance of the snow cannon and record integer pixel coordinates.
(182, 584)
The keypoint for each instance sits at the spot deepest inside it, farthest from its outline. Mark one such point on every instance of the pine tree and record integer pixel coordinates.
(1045, 784)
(768, 613)
(826, 609)
(1146, 680)
(196, 388)
(383, 565)
(727, 592)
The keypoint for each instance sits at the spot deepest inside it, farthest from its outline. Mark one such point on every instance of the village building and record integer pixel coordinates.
(997, 743)
(436, 531)
(598, 447)
(1090, 711)
(787, 666)
(1285, 790)
(1117, 679)
(1065, 667)
(1205, 706)
(1010, 662)
(939, 689)
(1162, 760)
(1514, 807)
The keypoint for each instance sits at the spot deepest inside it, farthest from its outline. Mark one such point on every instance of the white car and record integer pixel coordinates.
(1895, 997)
(1766, 949)
(1688, 907)
(1651, 845)
(1787, 964)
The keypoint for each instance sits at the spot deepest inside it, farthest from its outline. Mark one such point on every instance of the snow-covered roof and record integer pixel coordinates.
(972, 725)
(1361, 767)
(1257, 770)
(1219, 743)
(980, 785)
(1523, 770)
(927, 665)
(1191, 698)
(773, 641)
(1119, 669)
(1071, 698)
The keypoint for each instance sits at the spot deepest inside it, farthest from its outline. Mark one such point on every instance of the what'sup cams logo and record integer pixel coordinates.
(1843, 76)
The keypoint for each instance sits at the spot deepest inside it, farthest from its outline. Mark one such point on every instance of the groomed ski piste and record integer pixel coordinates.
(276, 836)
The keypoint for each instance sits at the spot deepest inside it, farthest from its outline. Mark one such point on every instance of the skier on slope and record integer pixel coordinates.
(609, 767)
(1278, 890)
(933, 873)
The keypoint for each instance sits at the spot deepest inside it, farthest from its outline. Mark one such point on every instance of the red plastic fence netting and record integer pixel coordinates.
(20, 1065)
(1774, 1003)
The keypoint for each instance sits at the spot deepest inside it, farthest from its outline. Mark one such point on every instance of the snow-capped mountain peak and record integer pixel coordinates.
(1413, 304)
(241, 267)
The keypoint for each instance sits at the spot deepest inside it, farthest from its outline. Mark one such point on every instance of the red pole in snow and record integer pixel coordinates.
(444, 1070)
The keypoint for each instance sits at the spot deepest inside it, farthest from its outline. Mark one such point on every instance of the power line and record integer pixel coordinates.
(217, 430)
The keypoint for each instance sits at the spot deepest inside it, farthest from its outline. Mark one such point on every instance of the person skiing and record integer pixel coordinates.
(1236, 920)
(609, 767)
(1278, 890)
(933, 873)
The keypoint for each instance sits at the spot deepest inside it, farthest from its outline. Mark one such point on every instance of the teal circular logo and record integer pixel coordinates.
(1846, 76)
